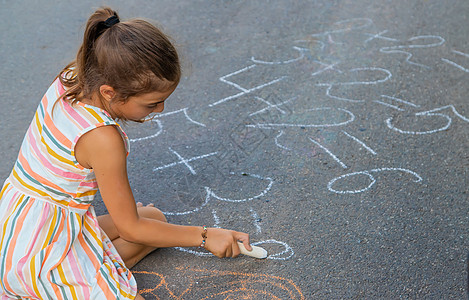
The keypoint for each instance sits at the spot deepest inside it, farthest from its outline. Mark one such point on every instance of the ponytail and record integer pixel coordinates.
(133, 57)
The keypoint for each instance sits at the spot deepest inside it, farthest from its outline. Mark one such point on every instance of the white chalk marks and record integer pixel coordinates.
(360, 142)
(379, 36)
(257, 220)
(271, 106)
(193, 210)
(398, 100)
(368, 176)
(301, 56)
(184, 161)
(370, 71)
(244, 91)
(323, 67)
(455, 64)
(278, 143)
(157, 119)
(307, 115)
(330, 153)
(326, 67)
(420, 116)
(285, 252)
(160, 130)
(209, 194)
(429, 41)
(346, 26)
(271, 182)
(186, 115)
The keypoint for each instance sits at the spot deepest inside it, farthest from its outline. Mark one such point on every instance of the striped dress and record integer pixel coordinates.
(51, 246)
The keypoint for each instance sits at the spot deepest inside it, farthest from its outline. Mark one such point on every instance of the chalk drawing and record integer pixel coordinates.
(357, 182)
(330, 153)
(460, 53)
(331, 40)
(360, 142)
(187, 212)
(195, 252)
(326, 68)
(322, 45)
(160, 289)
(346, 26)
(184, 161)
(439, 41)
(455, 64)
(213, 284)
(257, 220)
(351, 118)
(270, 106)
(244, 91)
(210, 194)
(371, 178)
(453, 109)
(388, 105)
(386, 76)
(271, 182)
(430, 113)
(155, 118)
(408, 57)
(378, 36)
(278, 143)
(400, 101)
(186, 115)
(287, 252)
(284, 254)
(160, 130)
(398, 49)
(216, 219)
(328, 93)
(300, 57)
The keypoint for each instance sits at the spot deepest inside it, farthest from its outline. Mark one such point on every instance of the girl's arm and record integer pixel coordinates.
(103, 150)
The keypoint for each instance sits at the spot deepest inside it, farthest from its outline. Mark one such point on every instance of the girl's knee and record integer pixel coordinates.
(152, 213)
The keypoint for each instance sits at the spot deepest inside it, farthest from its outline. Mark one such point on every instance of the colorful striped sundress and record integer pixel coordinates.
(51, 246)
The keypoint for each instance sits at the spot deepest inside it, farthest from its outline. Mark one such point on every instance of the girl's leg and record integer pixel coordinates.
(131, 253)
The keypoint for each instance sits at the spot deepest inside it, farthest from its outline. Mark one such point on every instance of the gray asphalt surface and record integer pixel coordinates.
(334, 132)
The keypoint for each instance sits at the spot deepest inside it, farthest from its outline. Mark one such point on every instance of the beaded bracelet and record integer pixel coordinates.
(204, 236)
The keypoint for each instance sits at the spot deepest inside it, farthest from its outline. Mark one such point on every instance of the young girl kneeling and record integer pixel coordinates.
(52, 244)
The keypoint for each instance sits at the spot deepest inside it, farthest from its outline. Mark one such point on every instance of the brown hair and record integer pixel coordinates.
(133, 57)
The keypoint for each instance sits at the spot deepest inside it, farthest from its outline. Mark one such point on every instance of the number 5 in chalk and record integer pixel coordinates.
(256, 251)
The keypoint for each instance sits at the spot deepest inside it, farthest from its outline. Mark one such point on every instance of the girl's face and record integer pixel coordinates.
(137, 108)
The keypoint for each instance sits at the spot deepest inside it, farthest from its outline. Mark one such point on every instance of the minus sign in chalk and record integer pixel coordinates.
(256, 251)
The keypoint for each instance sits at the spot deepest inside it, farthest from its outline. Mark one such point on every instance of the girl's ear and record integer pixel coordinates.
(107, 92)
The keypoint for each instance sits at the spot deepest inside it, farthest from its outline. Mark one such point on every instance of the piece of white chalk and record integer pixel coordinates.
(256, 251)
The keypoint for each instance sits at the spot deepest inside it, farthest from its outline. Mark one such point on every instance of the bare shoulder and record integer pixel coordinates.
(103, 142)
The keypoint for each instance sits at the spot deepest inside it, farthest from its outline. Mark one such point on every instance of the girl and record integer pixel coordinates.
(52, 244)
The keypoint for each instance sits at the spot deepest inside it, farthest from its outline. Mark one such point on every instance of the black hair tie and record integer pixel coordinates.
(111, 21)
(103, 25)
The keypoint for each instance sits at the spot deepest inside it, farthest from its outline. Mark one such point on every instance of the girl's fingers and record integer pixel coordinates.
(235, 250)
(224, 243)
(228, 252)
(244, 237)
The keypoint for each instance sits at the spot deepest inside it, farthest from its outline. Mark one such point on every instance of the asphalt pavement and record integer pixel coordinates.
(334, 132)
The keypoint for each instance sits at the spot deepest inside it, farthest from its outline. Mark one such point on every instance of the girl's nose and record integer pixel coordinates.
(159, 108)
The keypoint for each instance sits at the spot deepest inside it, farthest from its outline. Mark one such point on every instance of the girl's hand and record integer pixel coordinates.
(223, 243)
